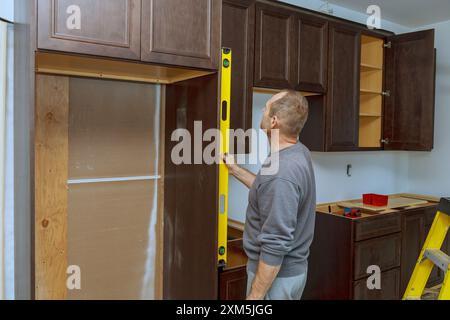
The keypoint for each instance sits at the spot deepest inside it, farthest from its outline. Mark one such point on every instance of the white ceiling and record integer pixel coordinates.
(410, 13)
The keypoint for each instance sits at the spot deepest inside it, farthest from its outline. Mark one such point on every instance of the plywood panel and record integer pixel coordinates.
(372, 51)
(108, 237)
(370, 132)
(51, 148)
(372, 80)
(371, 105)
(111, 129)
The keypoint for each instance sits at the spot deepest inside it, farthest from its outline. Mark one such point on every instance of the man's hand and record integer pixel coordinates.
(230, 162)
(244, 176)
(264, 278)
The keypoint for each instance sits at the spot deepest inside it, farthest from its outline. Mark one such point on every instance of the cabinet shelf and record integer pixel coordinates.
(369, 67)
(370, 115)
(365, 91)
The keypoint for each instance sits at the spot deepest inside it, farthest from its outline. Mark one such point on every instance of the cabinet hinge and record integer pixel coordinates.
(386, 93)
(388, 45)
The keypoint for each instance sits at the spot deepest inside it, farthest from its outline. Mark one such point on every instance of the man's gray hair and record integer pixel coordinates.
(292, 110)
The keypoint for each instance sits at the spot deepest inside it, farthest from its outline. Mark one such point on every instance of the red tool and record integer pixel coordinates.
(377, 200)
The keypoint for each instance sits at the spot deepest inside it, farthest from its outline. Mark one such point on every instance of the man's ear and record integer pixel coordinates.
(274, 122)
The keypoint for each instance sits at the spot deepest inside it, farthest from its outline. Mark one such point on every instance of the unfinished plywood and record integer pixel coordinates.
(372, 80)
(371, 86)
(112, 129)
(371, 105)
(80, 66)
(108, 237)
(370, 132)
(372, 52)
(51, 158)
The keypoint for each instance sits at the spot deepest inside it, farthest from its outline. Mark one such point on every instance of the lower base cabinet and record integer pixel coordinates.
(233, 284)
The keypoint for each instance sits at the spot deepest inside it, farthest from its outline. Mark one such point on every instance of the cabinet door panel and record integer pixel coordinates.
(275, 48)
(389, 287)
(240, 15)
(103, 28)
(410, 76)
(413, 230)
(313, 54)
(343, 89)
(233, 284)
(182, 33)
(383, 252)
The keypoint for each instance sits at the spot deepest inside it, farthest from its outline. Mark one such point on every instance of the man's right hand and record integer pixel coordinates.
(230, 162)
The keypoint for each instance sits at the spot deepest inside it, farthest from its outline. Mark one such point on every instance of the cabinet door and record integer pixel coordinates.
(96, 27)
(343, 89)
(182, 33)
(233, 284)
(240, 15)
(413, 230)
(410, 77)
(313, 54)
(275, 47)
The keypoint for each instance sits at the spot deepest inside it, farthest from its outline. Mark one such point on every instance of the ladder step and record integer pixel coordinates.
(439, 258)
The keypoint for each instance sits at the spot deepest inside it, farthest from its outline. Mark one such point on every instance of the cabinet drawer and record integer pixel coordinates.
(390, 287)
(377, 226)
(384, 252)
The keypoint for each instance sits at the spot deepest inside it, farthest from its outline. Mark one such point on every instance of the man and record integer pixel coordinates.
(281, 212)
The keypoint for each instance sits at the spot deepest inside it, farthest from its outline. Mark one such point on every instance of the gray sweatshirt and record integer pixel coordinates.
(280, 221)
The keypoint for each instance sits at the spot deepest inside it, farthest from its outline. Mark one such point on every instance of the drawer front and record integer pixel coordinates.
(390, 287)
(233, 284)
(384, 252)
(377, 226)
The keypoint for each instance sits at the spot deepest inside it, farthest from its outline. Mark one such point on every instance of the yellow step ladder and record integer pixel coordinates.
(431, 255)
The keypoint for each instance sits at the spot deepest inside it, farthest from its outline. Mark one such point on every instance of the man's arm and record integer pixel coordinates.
(264, 278)
(244, 176)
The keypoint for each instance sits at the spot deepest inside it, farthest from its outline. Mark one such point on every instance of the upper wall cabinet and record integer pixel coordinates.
(410, 78)
(275, 47)
(240, 15)
(183, 33)
(291, 49)
(342, 112)
(103, 28)
(313, 53)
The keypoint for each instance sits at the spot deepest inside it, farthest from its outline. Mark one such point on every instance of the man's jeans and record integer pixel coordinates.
(282, 288)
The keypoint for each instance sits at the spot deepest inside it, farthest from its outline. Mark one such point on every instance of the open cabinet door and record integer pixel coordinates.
(410, 78)
(190, 196)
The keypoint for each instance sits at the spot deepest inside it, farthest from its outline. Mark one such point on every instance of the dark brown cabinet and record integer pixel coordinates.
(240, 15)
(233, 284)
(410, 78)
(343, 249)
(182, 33)
(103, 28)
(275, 47)
(313, 54)
(342, 113)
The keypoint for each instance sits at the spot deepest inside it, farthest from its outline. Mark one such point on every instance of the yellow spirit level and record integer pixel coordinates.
(225, 109)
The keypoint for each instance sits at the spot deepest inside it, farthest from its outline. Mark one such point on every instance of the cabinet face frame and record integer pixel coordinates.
(48, 39)
(169, 53)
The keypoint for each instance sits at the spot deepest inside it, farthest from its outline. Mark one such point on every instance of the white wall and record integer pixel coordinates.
(7, 10)
(429, 173)
(381, 172)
